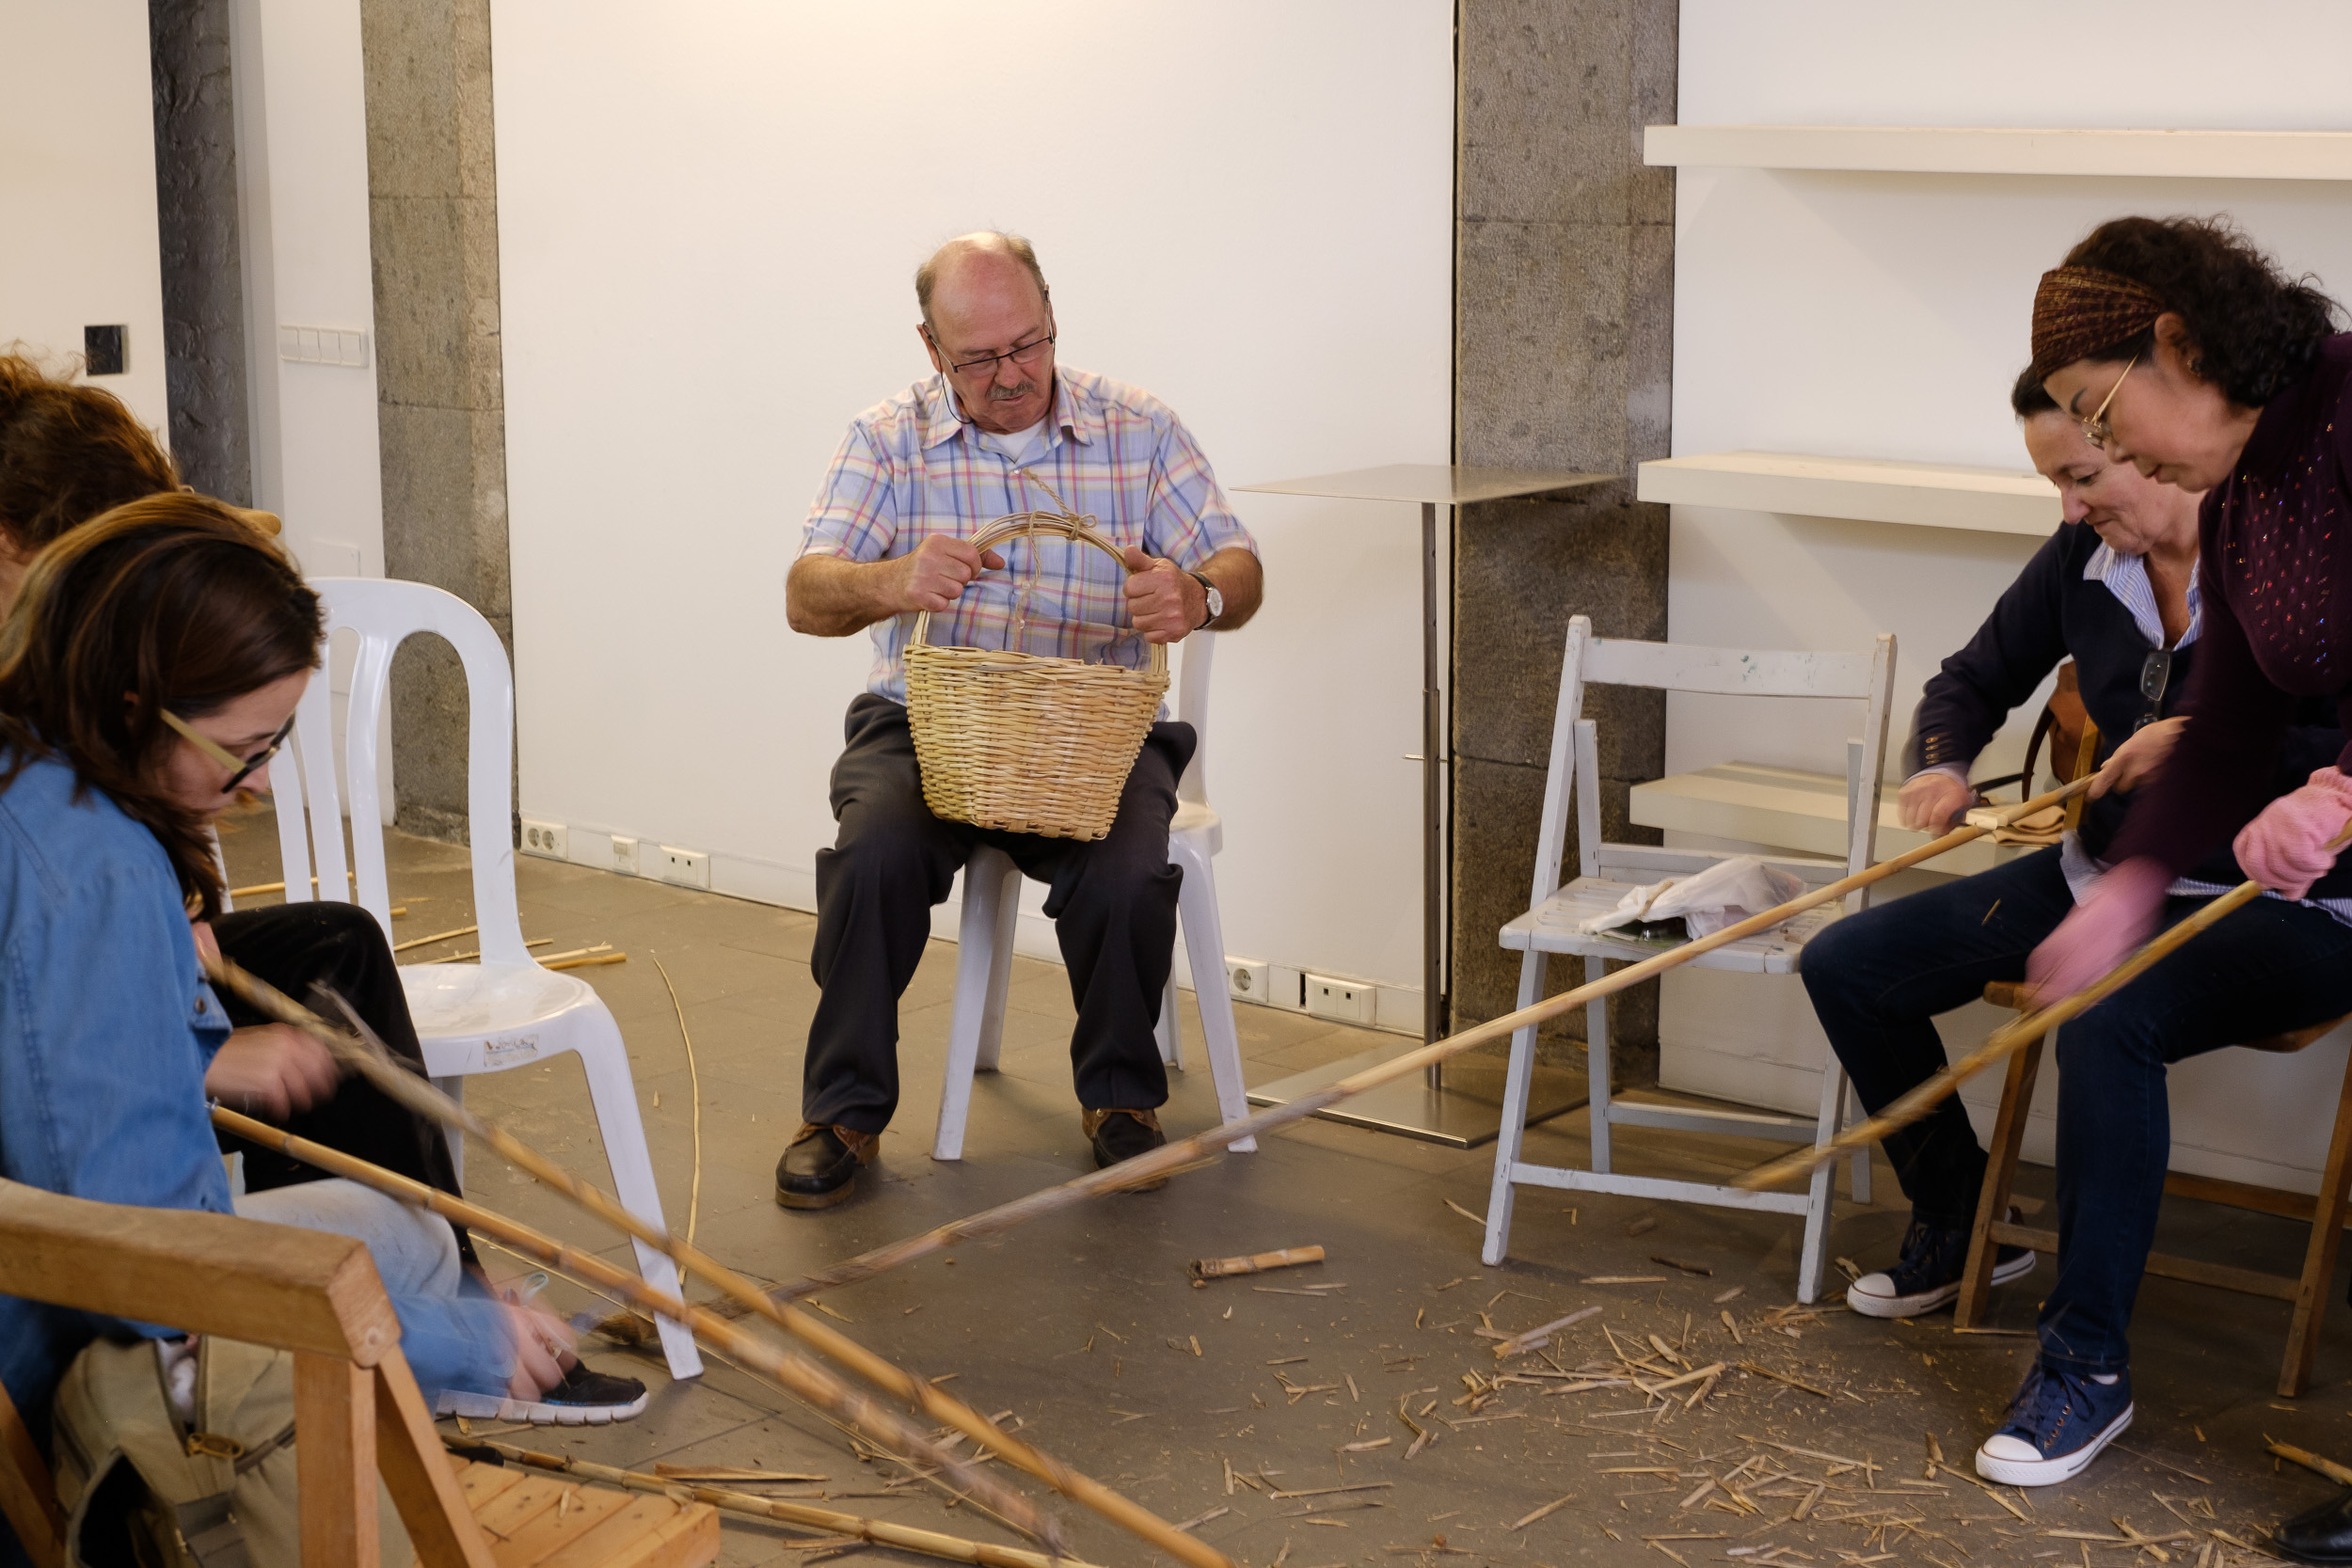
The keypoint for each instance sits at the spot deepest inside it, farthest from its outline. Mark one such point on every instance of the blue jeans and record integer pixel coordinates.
(1878, 978)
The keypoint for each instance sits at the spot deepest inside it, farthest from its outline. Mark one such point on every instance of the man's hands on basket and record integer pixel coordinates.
(932, 575)
(1166, 602)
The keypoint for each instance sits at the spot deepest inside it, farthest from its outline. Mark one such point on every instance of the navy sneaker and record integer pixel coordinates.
(2060, 1422)
(1934, 1258)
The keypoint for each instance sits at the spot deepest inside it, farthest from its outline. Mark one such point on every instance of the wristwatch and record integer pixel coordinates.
(1217, 600)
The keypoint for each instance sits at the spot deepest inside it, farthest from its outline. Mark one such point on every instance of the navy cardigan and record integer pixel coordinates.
(2052, 613)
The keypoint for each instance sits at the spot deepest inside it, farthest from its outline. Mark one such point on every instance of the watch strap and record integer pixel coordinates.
(1212, 594)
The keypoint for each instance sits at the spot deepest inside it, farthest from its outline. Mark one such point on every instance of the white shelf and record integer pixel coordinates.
(1969, 150)
(1789, 809)
(1924, 495)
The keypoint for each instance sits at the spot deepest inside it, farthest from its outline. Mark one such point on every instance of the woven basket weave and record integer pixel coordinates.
(1023, 742)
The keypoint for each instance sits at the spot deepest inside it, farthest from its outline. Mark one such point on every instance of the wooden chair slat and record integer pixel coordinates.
(615, 1541)
(28, 1497)
(482, 1482)
(519, 1504)
(2307, 1291)
(559, 1526)
(690, 1538)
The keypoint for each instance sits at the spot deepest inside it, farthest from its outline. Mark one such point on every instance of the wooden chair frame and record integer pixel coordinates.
(356, 1404)
(2307, 1291)
(1573, 780)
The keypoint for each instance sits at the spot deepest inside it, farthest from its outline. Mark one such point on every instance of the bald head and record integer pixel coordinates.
(976, 266)
(988, 325)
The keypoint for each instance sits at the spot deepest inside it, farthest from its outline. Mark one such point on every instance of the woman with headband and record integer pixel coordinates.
(2189, 353)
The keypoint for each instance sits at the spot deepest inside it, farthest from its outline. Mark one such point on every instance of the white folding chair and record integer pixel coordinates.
(992, 903)
(1608, 870)
(506, 1011)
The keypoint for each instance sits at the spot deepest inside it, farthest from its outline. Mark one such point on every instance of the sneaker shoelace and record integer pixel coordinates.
(1921, 1260)
(2043, 1403)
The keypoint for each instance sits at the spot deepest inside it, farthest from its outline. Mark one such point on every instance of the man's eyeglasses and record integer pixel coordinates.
(2155, 675)
(239, 768)
(1028, 356)
(2096, 430)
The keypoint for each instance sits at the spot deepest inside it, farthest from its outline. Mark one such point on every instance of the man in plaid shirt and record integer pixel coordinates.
(1000, 429)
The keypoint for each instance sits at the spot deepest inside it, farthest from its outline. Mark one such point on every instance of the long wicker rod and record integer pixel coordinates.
(789, 1368)
(2009, 1040)
(1170, 1158)
(421, 1097)
(881, 1532)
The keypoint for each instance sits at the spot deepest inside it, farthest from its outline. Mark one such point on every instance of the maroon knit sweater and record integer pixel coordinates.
(2276, 551)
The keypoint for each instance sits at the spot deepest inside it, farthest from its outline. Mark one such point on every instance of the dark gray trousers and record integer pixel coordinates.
(1113, 903)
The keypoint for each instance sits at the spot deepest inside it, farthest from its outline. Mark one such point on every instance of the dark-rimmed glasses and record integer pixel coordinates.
(239, 768)
(2155, 675)
(2096, 430)
(1027, 356)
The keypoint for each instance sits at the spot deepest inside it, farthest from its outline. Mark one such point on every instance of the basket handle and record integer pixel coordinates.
(1029, 525)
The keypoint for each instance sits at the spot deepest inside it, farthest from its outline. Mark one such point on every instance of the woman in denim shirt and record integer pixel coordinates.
(145, 645)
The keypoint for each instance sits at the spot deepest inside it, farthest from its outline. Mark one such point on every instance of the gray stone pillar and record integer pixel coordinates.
(1564, 337)
(196, 209)
(440, 389)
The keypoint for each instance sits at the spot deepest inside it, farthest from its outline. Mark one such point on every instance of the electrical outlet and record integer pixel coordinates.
(686, 867)
(1247, 978)
(624, 855)
(1286, 989)
(551, 839)
(1347, 1001)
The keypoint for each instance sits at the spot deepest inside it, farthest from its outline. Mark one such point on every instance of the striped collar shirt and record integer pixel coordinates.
(914, 466)
(2127, 577)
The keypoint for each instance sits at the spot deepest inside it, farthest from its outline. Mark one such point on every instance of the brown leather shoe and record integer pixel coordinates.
(1122, 1135)
(820, 1165)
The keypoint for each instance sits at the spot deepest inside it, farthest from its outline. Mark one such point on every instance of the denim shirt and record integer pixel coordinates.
(106, 1027)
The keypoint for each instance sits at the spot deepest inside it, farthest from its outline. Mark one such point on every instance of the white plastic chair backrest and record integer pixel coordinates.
(1192, 707)
(383, 612)
(1589, 661)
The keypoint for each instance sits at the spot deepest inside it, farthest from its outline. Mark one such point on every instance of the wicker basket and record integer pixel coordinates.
(1023, 742)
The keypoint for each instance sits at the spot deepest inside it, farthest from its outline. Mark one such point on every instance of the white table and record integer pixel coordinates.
(1466, 1110)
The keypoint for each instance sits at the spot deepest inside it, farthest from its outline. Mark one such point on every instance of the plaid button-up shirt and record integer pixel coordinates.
(914, 466)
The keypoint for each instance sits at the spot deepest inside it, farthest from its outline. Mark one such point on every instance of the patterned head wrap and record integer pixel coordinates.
(2080, 310)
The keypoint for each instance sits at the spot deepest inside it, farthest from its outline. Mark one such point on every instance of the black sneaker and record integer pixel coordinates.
(1933, 1260)
(1121, 1135)
(585, 1398)
(819, 1167)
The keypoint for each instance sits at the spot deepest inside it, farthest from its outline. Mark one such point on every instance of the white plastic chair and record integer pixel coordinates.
(992, 903)
(506, 1011)
(1608, 870)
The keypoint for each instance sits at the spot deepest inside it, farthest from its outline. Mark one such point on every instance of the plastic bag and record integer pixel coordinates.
(1705, 902)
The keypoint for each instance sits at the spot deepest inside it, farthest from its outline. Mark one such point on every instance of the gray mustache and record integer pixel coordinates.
(1000, 394)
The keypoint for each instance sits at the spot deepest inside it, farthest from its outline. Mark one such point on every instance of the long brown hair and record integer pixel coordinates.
(171, 602)
(67, 452)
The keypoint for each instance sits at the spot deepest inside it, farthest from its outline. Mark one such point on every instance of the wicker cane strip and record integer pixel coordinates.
(1020, 742)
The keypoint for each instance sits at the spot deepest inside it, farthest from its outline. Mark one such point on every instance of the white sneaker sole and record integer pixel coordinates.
(495, 1407)
(1871, 1305)
(2048, 1472)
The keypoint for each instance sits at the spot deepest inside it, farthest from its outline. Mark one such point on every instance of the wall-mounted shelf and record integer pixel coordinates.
(1789, 809)
(1970, 150)
(1925, 495)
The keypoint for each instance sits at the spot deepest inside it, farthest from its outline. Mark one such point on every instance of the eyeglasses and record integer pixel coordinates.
(2155, 675)
(240, 768)
(2096, 429)
(1028, 356)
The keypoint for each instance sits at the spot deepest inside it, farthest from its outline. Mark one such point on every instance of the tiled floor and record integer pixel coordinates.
(1083, 1325)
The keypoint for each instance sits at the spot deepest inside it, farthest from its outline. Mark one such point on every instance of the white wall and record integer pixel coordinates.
(77, 187)
(708, 230)
(302, 176)
(302, 166)
(1885, 315)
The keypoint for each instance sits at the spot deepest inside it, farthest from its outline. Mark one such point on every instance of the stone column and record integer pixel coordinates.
(196, 209)
(1564, 339)
(440, 390)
